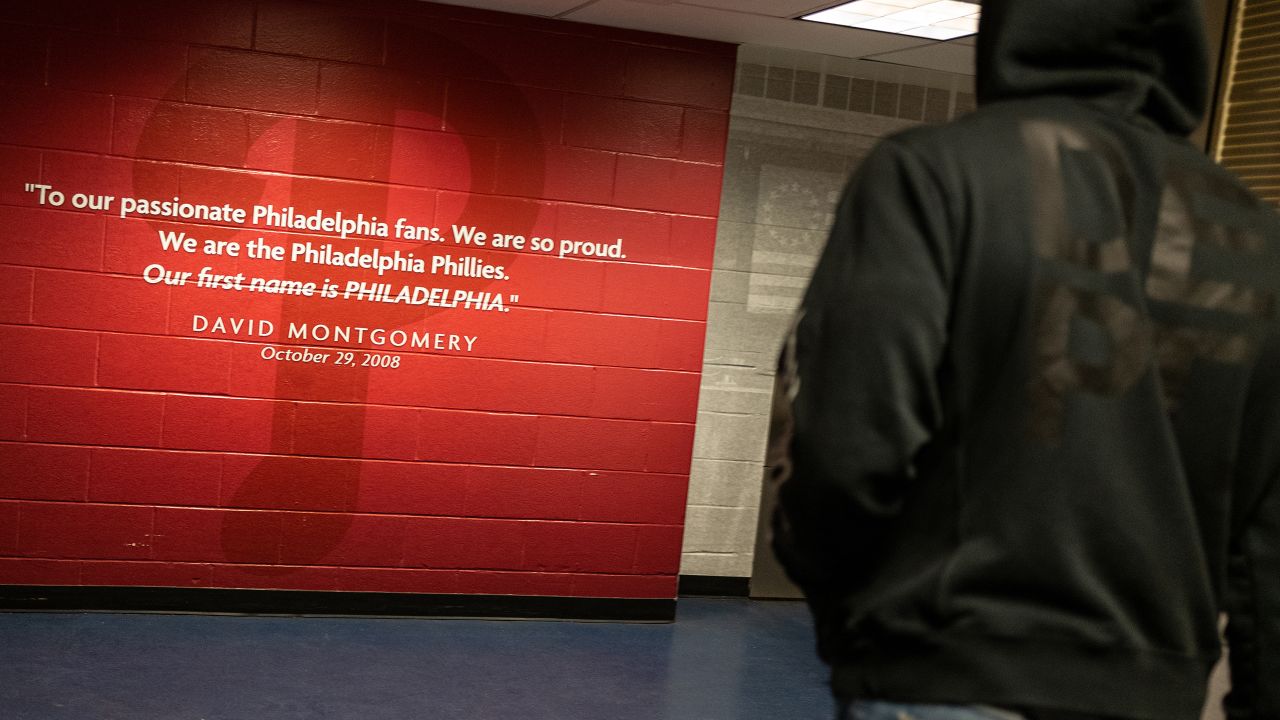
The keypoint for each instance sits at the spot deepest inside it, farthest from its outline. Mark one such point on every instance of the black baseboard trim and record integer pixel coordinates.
(714, 586)
(322, 603)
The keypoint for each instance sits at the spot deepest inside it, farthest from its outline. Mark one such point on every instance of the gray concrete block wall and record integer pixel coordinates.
(800, 125)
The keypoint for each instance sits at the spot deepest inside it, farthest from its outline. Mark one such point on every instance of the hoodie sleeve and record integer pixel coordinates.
(1252, 597)
(1253, 607)
(861, 370)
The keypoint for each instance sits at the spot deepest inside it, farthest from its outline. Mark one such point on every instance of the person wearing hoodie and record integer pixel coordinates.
(1033, 395)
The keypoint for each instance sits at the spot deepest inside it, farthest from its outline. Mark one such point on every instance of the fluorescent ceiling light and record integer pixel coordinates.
(936, 19)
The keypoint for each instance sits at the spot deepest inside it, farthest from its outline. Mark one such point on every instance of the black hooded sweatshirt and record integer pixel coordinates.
(1034, 391)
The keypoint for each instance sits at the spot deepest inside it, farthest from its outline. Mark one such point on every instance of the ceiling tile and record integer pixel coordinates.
(542, 8)
(735, 27)
(949, 56)
(771, 8)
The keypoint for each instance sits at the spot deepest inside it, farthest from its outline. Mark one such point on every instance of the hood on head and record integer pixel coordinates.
(1133, 57)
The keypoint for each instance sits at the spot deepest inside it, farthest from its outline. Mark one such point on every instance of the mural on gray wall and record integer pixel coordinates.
(800, 125)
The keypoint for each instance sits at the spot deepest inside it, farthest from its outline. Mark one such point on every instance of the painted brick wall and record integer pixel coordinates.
(539, 448)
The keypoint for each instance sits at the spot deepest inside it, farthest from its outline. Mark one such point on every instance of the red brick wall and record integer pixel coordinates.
(550, 457)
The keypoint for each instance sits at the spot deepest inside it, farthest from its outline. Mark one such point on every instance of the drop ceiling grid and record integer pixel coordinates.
(761, 22)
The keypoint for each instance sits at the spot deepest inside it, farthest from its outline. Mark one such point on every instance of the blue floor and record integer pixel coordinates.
(721, 659)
